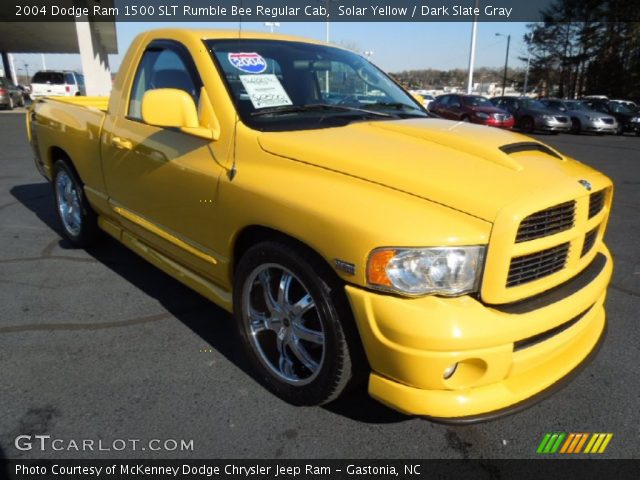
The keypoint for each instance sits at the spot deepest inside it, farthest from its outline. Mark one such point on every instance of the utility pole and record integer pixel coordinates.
(367, 54)
(526, 73)
(506, 60)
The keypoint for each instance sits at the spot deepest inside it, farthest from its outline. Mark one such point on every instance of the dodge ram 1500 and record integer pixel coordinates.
(460, 270)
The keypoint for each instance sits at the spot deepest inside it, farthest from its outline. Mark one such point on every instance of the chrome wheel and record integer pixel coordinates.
(68, 199)
(284, 326)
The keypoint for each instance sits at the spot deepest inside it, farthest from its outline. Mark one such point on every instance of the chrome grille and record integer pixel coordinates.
(608, 121)
(547, 222)
(589, 241)
(528, 268)
(596, 203)
(562, 119)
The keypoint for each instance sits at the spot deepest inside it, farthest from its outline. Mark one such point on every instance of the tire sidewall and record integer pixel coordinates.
(322, 388)
(87, 217)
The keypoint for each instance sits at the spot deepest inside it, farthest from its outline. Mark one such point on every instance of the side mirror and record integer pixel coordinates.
(173, 108)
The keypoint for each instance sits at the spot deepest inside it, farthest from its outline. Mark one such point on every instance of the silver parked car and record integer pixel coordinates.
(583, 119)
(532, 115)
(10, 95)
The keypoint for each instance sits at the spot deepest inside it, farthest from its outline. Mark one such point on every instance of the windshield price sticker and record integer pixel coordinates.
(248, 62)
(265, 91)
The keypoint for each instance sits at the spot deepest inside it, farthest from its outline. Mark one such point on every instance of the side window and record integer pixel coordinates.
(444, 100)
(68, 79)
(455, 101)
(80, 79)
(163, 68)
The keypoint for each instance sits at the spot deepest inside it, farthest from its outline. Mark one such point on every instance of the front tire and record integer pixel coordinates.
(527, 125)
(11, 105)
(290, 314)
(78, 221)
(576, 126)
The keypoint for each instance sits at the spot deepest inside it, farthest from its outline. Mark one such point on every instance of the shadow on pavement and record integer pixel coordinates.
(214, 325)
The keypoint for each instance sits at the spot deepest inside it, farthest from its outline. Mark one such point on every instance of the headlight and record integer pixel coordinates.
(635, 119)
(482, 115)
(420, 271)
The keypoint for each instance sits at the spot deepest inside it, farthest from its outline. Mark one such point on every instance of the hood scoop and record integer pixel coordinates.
(529, 147)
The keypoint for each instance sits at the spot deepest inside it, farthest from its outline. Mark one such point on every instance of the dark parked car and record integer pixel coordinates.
(532, 115)
(10, 95)
(583, 119)
(470, 108)
(628, 120)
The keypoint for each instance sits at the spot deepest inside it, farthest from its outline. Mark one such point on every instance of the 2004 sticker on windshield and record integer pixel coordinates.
(265, 91)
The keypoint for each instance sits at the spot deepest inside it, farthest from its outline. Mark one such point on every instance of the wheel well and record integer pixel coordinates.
(255, 234)
(56, 153)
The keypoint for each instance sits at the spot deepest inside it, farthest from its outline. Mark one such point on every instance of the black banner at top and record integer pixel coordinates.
(296, 11)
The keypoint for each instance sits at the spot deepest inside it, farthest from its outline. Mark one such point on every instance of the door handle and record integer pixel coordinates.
(122, 143)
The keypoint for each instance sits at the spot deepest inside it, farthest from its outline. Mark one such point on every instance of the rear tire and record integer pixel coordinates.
(78, 221)
(290, 316)
(619, 130)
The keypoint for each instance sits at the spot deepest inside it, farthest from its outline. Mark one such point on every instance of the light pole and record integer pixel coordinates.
(472, 51)
(506, 60)
(272, 25)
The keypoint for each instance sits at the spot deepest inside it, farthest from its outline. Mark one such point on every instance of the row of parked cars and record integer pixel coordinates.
(595, 115)
(43, 83)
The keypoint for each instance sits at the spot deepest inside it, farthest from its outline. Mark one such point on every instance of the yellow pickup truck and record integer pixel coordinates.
(459, 270)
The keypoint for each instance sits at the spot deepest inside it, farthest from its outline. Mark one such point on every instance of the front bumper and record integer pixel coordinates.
(552, 125)
(505, 355)
(600, 127)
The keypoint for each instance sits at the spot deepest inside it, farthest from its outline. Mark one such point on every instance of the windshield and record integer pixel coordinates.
(280, 85)
(620, 108)
(477, 102)
(578, 106)
(534, 104)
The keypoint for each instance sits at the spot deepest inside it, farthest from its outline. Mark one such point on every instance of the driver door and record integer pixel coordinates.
(161, 182)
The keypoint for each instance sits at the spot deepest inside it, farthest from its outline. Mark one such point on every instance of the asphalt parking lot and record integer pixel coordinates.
(100, 345)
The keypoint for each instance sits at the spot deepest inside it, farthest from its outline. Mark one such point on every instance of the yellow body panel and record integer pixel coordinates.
(182, 201)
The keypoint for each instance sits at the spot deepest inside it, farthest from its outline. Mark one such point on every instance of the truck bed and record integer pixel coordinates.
(99, 103)
(73, 125)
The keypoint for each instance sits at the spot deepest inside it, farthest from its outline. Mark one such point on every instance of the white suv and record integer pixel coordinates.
(49, 83)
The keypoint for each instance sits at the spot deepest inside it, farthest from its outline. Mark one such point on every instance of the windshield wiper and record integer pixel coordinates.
(395, 105)
(314, 107)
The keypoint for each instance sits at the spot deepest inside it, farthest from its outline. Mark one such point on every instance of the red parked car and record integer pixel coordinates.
(471, 108)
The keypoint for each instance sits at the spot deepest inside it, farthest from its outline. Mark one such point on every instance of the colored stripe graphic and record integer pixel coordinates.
(583, 439)
(573, 443)
(551, 442)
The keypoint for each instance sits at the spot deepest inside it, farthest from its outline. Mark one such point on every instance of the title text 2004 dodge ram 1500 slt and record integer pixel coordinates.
(459, 268)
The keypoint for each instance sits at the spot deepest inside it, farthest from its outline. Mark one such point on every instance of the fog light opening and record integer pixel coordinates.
(449, 371)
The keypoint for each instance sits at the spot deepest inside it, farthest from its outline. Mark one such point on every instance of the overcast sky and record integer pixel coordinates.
(396, 46)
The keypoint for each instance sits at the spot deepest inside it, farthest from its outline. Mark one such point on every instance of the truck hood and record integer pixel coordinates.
(460, 165)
